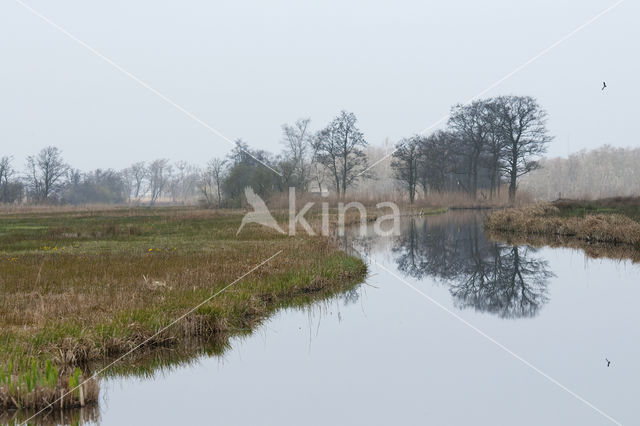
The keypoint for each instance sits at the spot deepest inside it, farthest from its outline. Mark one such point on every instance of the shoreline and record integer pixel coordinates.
(611, 227)
(49, 261)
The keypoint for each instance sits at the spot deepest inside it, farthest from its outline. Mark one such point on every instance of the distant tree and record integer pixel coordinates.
(46, 173)
(10, 188)
(184, 181)
(297, 139)
(287, 168)
(340, 148)
(318, 172)
(99, 186)
(211, 181)
(247, 168)
(135, 177)
(406, 159)
(436, 162)
(600, 173)
(523, 129)
(159, 172)
(6, 173)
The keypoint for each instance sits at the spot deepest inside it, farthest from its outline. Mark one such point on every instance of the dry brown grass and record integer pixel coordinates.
(448, 199)
(545, 219)
(60, 397)
(80, 288)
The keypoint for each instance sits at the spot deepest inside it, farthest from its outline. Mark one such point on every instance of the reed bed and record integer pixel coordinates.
(549, 220)
(79, 289)
(434, 199)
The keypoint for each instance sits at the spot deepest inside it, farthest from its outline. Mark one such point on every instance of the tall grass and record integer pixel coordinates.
(446, 199)
(547, 219)
(30, 384)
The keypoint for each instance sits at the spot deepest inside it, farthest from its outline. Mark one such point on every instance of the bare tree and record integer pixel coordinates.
(211, 181)
(46, 173)
(6, 172)
(159, 174)
(495, 148)
(184, 182)
(10, 189)
(318, 172)
(297, 141)
(436, 163)
(339, 147)
(600, 173)
(135, 177)
(473, 124)
(523, 129)
(405, 162)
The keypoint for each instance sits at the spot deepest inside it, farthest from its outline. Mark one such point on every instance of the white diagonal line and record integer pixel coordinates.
(510, 74)
(492, 340)
(166, 327)
(140, 82)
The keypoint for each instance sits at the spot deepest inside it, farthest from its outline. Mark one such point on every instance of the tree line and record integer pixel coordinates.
(485, 144)
(331, 157)
(599, 173)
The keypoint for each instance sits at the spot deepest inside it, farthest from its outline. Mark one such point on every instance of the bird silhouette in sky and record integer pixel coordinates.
(604, 85)
(260, 213)
(608, 362)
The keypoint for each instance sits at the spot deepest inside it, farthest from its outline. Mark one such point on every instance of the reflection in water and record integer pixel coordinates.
(80, 416)
(505, 280)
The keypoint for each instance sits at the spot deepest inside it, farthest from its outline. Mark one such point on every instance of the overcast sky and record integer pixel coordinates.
(247, 67)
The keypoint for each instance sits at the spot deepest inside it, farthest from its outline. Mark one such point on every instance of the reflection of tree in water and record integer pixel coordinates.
(492, 277)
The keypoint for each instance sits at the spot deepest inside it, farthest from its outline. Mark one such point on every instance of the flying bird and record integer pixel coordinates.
(260, 213)
(608, 362)
(604, 85)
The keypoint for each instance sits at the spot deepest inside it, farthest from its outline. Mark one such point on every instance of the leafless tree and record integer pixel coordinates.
(211, 181)
(10, 188)
(600, 173)
(184, 181)
(436, 163)
(473, 124)
(405, 162)
(159, 172)
(135, 177)
(297, 139)
(523, 129)
(46, 173)
(339, 147)
(6, 172)
(495, 148)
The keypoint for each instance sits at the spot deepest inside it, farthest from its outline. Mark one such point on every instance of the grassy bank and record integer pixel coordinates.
(610, 221)
(80, 288)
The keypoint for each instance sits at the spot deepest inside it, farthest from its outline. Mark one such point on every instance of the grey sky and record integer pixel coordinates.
(246, 67)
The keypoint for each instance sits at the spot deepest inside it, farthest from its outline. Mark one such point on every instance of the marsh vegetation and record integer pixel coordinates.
(80, 288)
(606, 221)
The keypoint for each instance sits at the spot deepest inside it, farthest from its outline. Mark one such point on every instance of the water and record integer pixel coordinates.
(387, 354)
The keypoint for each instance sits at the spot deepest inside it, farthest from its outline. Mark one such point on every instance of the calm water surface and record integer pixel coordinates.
(385, 354)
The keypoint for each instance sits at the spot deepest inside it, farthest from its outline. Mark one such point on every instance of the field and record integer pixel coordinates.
(80, 288)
